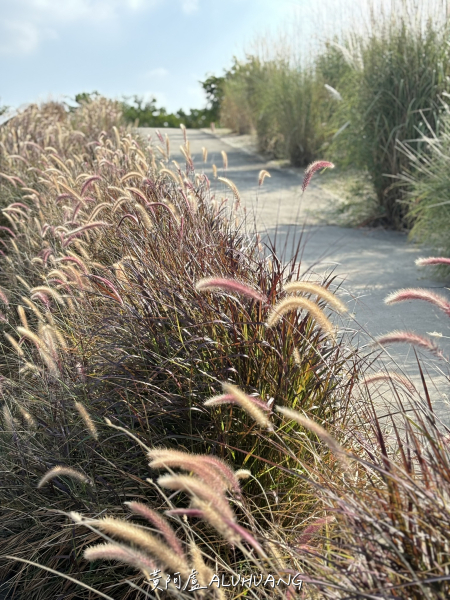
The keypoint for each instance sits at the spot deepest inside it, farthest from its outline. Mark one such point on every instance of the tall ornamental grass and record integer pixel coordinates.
(128, 293)
(381, 525)
(428, 183)
(364, 91)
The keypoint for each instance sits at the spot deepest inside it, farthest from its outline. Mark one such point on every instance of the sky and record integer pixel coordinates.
(54, 49)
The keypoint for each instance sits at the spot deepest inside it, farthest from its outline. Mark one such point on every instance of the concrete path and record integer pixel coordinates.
(369, 264)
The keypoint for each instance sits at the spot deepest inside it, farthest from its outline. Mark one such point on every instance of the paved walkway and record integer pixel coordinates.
(369, 264)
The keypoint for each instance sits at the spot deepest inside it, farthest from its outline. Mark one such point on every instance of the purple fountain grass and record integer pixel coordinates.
(203, 465)
(409, 337)
(390, 376)
(61, 471)
(262, 175)
(231, 399)
(219, 520)
(247, 403)
(115, 294)
(232, 187)
(419, 294)
(297, 302)
(123, 554)
(138, 508)
(143, 539)
(317, 429)
(89, 423)
(313, 168)
(191, 463)
(224, 284)
(88, 182)
(432, 260)
(194, 486)
(319, 290)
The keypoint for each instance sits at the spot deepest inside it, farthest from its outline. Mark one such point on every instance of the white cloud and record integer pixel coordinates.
(190, 6)
(25, 23)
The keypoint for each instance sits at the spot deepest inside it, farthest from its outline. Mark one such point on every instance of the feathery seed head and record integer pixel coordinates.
(312, 168)
(409, 337)
(61, 471)
(297, 302)
(133, 534)
(319, 290)
(159, 522)
(314, 427)
(419, 294)
(262, 175)
(122, 554)
(229, 285)
(390, 376)
(90, 426)
(225, 159)
(232, 187)
(249, 404)
(432, 260)
(196, 488)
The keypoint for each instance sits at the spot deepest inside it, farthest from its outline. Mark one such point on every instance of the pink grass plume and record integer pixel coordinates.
(419, 294)
(313, 168)
(409, 337)
(223, 284)
(432, 260)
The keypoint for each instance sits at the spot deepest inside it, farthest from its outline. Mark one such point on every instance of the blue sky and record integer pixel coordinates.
(56, 48)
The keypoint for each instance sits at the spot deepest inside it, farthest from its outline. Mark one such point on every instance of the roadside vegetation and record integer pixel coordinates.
(174, 397)
(381, 83)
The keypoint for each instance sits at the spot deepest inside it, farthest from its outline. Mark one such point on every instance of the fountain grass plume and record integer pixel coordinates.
(190, 464)
(314, 288)
(318, 430)
(90, 425)
(218, 520)
(224, 284)
(14, 343)
(143, 539)
(196, 488)
(313, 168)
(209, 468)
(232, 187)
(262, 175)
(224, 159)
(138, 508)
(122, 554)
(295, 303)
(47, 290)
(419, 294)
(409, 337)
(389, 376)
(247, 403)
(432, 260)
(61, 471)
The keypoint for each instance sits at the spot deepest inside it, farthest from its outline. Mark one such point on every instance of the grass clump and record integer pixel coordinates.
(103, 251)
